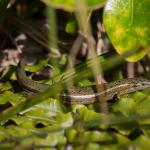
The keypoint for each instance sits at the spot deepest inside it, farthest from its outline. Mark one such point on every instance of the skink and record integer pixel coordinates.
(84, 95)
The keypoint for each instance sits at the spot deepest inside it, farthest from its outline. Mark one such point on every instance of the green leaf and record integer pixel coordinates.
(70, 5)
(44, 112)
(8, 96)
(37, 67)
(137, 103)
(5, 86)
(71, 25)
(8, 73)
(142, 142)
(127, 23)
(92, 146)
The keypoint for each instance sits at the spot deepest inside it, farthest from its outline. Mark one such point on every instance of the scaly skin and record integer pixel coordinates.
(85, 95)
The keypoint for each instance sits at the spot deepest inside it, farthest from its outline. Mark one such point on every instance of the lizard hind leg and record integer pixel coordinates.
(115, 98)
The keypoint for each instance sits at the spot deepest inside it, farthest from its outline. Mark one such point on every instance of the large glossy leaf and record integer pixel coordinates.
(70, 5)
(127, 23)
